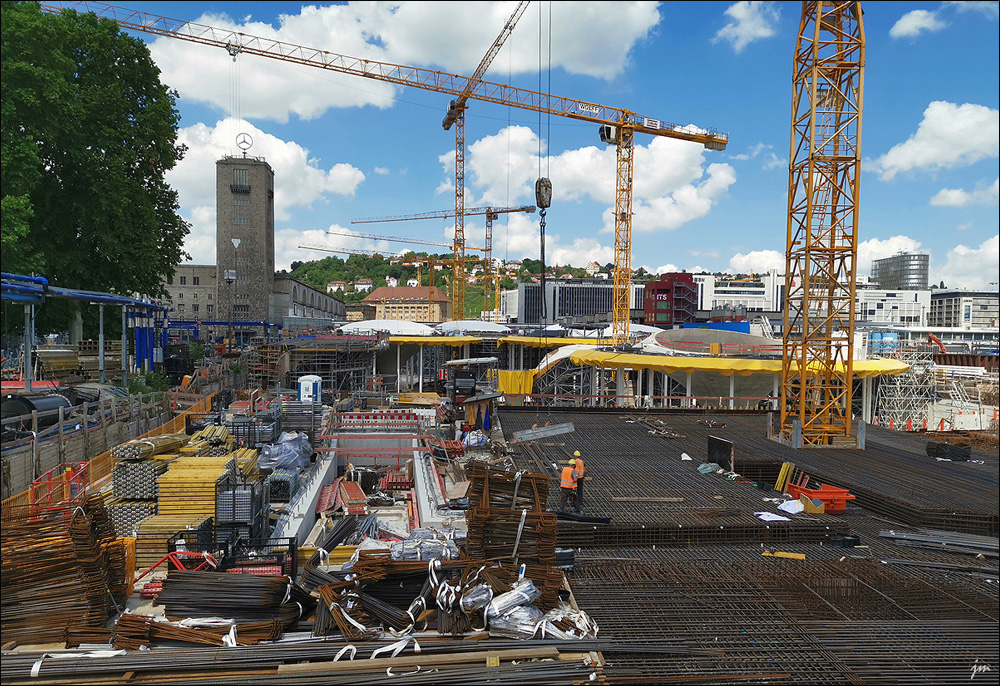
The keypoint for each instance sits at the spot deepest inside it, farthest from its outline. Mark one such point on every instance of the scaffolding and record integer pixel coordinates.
(903, 399)
(266, 364)
(344, 363)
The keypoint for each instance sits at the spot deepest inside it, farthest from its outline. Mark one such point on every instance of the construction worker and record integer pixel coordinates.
(581, 470)
(568, 483)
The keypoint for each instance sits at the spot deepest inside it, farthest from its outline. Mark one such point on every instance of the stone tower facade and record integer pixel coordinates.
(244, 188)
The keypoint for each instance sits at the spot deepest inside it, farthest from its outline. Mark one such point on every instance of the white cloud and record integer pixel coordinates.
(970, 267)
(672, 184)
(748, 22)
(381, 171)
(876, 249)
(989, 8)
(758, 262)
(949, 136)
(298, 181)
(957, 197)
(409, 33)
(914, 23)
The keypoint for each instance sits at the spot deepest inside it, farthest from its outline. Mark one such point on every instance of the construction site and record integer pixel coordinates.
(476, 505)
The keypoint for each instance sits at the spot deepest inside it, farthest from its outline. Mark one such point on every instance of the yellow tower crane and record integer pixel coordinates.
(456, 115)
(491, 213)
(618, 126)
(821, 249)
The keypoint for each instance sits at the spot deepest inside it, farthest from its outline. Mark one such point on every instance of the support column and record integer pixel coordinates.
(398, 381)
(638, 387)
(124, 346)
(666, 386)
(776, 393)
(866, 400)
(620, 388)
(421, 373)
(100, 342)
(594, 386)
(732, 389)
(29, 341)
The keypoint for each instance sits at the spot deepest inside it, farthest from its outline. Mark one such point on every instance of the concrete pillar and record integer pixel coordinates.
(29, 342)
(620, 387)
(421, 373)
(866, 400)
(732, 389)
(125, 346)
(687, 391)
(398, 382)
(776, 392)
(595, 390)
(100, 342)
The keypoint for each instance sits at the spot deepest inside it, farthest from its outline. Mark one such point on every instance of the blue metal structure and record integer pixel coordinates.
(144, 317)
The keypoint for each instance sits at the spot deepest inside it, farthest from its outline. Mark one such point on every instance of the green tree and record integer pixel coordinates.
(88, 134)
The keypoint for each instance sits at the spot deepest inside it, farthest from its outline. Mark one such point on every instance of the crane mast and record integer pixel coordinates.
(613, 119)
(822, 230)
(456, 115)
(491, 214)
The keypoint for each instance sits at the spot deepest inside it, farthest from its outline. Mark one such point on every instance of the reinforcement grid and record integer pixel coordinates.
(788, 621)
(626, 460)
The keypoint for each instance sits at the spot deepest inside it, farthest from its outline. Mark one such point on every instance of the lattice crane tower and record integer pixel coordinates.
(821, 252)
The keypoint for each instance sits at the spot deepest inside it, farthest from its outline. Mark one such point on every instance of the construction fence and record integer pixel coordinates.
(84, 433)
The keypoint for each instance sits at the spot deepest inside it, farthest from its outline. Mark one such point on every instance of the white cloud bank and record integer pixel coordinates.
(971, 268)
(957, 197)
(584, 42)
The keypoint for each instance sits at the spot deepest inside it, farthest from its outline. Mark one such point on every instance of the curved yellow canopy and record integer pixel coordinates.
(727, 366)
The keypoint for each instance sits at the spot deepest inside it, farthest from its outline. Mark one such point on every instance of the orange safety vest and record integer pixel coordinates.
(568, 479)
(580, 466)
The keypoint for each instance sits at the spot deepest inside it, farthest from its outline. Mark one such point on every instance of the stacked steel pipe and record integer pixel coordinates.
(144, 448)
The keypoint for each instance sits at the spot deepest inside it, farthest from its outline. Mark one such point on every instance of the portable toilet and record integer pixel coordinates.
(310, 389)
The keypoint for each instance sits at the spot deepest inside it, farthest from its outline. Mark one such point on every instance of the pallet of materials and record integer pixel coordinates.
(189, 486)
(152, 535)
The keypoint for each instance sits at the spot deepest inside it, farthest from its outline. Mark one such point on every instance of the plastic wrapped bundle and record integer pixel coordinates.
(477, 598)
(523, 593)
(424, 549)
(565, 623)
(520, 622)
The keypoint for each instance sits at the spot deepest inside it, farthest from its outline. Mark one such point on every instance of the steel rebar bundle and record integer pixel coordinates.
(59, 570)
(245, 598)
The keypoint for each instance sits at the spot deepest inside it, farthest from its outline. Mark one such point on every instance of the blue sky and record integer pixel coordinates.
(345, 147)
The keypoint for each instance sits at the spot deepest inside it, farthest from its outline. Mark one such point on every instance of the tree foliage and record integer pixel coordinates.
(88, 135)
